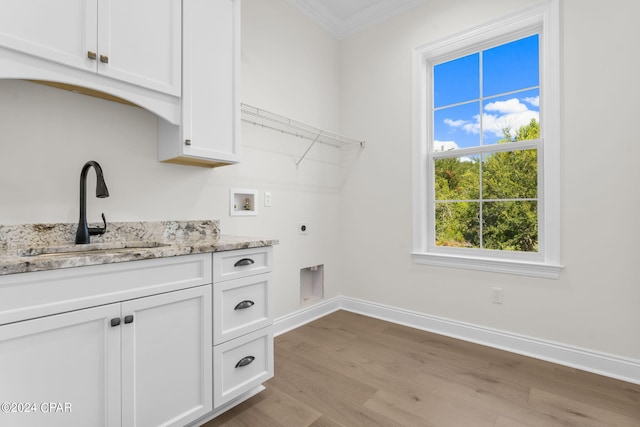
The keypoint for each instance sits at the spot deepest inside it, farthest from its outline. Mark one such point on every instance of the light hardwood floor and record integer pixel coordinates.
(350, 370)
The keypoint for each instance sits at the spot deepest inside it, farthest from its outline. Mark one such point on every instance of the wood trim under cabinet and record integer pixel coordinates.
(85, 91)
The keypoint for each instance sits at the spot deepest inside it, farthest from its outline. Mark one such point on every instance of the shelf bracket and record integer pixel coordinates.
(308, 149)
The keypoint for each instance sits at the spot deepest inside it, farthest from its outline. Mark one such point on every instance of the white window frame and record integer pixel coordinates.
(544, 20)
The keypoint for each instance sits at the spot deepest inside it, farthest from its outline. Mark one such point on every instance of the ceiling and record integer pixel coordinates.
(343, 18)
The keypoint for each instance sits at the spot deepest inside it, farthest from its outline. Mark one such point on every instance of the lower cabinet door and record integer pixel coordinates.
(242, 364)
(167, 358)
(61, 370)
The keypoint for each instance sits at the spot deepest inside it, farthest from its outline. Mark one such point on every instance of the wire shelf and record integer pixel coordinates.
(267, 119)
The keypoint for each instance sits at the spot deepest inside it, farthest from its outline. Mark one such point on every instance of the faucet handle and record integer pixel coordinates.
(95, 231)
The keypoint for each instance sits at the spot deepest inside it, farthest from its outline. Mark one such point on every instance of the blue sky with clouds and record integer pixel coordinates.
(487, 91)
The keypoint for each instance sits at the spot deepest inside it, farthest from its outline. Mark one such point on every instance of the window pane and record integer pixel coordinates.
(511, 66)
(510, 226)
(457, 224)
(508, 118)
(510, 175)
(456, 127)
(457, 178)
(487, 201)
(456, 81)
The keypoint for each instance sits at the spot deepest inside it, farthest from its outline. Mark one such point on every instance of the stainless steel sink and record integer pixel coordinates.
(90, 248)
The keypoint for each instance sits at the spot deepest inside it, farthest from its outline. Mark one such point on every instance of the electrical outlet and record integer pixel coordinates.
(496, 295)
(303, 228)
(267, 199)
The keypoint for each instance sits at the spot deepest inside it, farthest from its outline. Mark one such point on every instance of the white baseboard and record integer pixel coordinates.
(306, 314)
(575, 357)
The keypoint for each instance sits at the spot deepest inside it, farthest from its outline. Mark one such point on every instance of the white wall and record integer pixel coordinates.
(361, 230)
(596, 302)
(288, 66)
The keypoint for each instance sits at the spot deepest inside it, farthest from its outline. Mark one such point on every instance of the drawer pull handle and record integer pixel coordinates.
(115, 322)
(243, 262)
(128, 319)
(245, 361)
(244, 304)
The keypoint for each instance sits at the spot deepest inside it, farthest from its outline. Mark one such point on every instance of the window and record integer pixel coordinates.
(487, 196)
(486, 147)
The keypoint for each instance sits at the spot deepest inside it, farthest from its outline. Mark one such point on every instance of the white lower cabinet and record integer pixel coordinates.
(242, 323)
(241, 306)
(242, 364)
(143, 362)
(70, 359)
(147, 343)
(166, 358)
(139, 355)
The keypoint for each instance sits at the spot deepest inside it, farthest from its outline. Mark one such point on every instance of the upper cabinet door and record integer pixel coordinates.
(140, 42)
(210, 105)
(210, 131)
(63, 32)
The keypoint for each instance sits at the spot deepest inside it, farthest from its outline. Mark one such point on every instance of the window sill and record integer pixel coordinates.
(523, 268)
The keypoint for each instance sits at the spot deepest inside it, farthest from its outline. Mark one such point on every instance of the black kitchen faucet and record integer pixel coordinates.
(84, 231)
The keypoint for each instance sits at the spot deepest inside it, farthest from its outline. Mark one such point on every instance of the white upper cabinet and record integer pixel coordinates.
(179, 59)
(139, 42)
(129, 49)
(58, 31)
(210, 130)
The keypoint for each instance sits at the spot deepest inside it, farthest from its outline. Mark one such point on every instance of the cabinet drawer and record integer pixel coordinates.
(241, 306)
(241, 263)
(241, 364)
(42, 293)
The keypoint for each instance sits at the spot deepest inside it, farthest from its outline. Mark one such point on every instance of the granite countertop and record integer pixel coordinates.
(37, 247)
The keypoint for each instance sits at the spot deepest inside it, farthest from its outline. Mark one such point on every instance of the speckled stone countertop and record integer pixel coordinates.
(38, 247)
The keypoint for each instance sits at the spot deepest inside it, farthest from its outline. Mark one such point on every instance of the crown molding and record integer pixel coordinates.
(341, 28)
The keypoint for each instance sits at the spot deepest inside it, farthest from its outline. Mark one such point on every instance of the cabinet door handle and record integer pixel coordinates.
(245, 361)
(115, 322)
(187, 142)
(244, 304)
(104, 59)
(92, 55)
(243, 262)
(128, 319)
